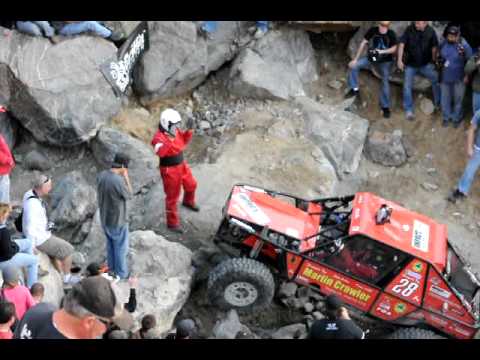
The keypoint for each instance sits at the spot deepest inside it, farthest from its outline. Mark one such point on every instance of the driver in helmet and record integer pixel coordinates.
(168, 143)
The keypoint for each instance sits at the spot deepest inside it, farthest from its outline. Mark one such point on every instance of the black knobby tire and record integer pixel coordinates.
(251, 273)
(413, 333)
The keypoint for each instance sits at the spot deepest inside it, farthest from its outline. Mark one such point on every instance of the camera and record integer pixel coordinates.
(373, 55)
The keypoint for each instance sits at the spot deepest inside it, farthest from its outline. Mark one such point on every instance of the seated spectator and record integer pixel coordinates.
(17, 253)
(36, 227)
(87, 310)
(36, 28)
(38, 292)
(185, 330)
(18, 294)
(7, 318)
(68, 28)
(148, 323)
(209, 27)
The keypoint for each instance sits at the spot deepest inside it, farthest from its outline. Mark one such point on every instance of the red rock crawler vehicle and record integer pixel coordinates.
(386, 262)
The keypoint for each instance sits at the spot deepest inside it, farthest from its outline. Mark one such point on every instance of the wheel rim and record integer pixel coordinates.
(241, 294)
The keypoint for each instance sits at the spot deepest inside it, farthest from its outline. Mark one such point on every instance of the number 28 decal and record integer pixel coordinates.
(405, 287)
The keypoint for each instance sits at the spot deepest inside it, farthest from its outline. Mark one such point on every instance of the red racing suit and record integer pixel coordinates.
(174, 171)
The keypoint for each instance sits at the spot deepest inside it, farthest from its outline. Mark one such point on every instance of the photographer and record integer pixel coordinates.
(454, 52)
(383, 43)
(472, 73)
(36, 227)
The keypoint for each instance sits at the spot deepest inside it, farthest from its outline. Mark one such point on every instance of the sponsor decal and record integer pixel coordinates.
(415, 275)
(356, 228)
(253, 211)
(420, 236)
(440, 292)
(400, 308)
(406, 228)
(357, 213)
(417, 266)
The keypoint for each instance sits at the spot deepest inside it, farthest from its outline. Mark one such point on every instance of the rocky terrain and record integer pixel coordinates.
(268, 112)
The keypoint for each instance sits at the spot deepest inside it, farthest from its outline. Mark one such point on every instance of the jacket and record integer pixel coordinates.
(6, 159)
(35, 220)
(165, 146)
(473, 71)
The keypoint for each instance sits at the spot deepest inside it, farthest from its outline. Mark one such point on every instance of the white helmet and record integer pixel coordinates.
(168, 118)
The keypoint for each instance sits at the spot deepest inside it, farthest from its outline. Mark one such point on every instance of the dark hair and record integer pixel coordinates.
(148, 322)
(93, 269)
(37, 289)
(7, 310)
(120, 160)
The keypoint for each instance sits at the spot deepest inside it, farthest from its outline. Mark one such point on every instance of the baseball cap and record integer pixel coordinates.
(453, 30)
(10, 274)
(333, 302)
(120, 160)
(101, 297)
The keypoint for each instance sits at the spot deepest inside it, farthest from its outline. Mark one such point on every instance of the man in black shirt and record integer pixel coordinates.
(337, 325)
(88, 309)
(383, 43)
(417, 53)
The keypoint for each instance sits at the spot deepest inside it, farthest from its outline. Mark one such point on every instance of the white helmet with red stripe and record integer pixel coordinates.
(168, 118)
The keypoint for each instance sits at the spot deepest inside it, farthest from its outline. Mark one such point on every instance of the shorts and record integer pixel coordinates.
(57, 248)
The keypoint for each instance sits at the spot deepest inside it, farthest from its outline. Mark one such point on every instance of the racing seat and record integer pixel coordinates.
(354, 262)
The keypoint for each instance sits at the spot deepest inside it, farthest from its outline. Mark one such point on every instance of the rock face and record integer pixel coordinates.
(420, 83)
(338, 133)
(279, 66)
(52, 282)
(229, 327)
(35, 160)
(57, 92)
(190, 57)
(94, 245)
(8, 126)
(164, 272)
(73, 200)
(386, 149)
(294, 331)
(143, 166)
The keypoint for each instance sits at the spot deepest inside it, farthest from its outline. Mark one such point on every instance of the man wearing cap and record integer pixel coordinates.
(35, 226)
(113, 192)
(454, 53)
(168, 143)
(88, 309)
(6, 163)
(337, 324)
(186, 329)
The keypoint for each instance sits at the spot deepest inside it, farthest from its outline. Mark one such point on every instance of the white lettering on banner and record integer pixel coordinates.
(253, 211)
(420, 235)
(440, 292)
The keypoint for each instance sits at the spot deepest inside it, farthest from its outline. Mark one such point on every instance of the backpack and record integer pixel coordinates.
(19, 220)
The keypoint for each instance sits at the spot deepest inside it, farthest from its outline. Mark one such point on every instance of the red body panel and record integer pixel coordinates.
(409, 284)
(351, 291)
(267, 249)
(391, 308)
(262, 209)
(408, 231)
(451, 327)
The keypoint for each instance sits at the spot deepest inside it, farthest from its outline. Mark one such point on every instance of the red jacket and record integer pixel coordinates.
(171, 146)
(6, 158)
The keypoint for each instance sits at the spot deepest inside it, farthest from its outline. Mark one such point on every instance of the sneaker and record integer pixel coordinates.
(409, 116)
(191, 207)
(456, 195)
(176, 229)
(351, 93)
(445, 123)
(110, 276)
(386, 113)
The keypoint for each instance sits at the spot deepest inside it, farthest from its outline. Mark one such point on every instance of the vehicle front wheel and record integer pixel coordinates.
(242, 284)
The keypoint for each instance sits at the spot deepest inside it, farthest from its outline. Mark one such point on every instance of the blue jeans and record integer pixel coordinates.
(24, 258)
(35, 28)
(211, 26)
(5, 189)
(469, 174)
(85, 26)
(452, 93)
(117, 249)
(383, 68)
(475, 101)
(430, 73)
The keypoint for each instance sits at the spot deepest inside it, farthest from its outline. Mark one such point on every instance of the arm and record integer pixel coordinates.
(470, 137)
(164, 147)
(401, 48)
(434, 53)
(472, 65)
(187, 136)
(391, 50)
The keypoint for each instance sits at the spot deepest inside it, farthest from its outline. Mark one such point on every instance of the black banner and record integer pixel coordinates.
(119, 72)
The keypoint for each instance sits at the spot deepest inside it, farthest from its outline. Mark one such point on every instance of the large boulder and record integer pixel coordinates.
(73, 200)
(179, 59)
(143, 167)
(339, 134)
(94, 245)
(280, 65)
(420, 83)
(37, 160)
(8, 126)
(164, 272)
(52, 282)
(57, 92)
(294, 331)
(229, 327)
(386, 148)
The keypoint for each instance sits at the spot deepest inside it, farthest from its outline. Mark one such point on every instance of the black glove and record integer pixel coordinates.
(190, 123)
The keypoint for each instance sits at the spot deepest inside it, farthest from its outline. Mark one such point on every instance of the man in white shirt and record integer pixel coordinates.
(36, 227)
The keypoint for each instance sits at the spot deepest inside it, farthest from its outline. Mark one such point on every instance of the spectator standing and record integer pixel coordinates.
(87, 310)
(210, 27)
(17, 253)
(337, 324)
(417, 53)
(472, 70)
(7, 319)
(16, 293)
(113, 191)
(454, 52)
(383, 44)
(7, 164)
(35, 226)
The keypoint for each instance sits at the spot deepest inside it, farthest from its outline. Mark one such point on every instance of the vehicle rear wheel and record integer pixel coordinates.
(413, 333)
(242, 284)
